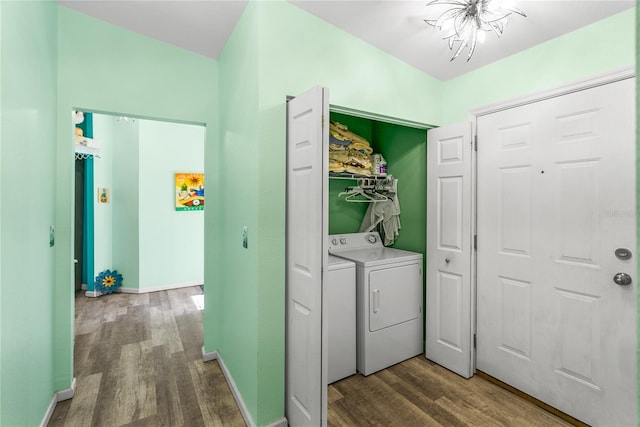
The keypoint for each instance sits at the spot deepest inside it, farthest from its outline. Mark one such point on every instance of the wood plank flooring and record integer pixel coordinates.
(418, 392)
(138, 363)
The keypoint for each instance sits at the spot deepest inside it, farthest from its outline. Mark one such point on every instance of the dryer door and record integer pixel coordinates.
(395, 296)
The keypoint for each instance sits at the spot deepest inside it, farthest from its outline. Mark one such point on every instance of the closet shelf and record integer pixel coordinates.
(353, 176)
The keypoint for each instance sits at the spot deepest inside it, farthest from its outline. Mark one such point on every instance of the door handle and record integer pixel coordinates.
(376, 300)
(622, 279)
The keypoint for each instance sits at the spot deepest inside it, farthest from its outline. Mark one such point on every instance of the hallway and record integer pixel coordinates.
(138, 362)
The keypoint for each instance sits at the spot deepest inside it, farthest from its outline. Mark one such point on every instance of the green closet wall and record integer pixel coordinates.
(405, 150)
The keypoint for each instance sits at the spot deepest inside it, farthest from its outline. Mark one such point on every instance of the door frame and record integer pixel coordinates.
(474, 114)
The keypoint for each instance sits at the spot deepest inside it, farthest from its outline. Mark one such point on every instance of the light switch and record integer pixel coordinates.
(245, 237)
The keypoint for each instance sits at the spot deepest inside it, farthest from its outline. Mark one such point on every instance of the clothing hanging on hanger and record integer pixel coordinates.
(385, 217)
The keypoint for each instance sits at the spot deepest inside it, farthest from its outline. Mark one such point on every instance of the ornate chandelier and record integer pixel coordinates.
(466, 21)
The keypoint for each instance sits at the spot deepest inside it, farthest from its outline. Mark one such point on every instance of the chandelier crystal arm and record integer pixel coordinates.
(466, 20)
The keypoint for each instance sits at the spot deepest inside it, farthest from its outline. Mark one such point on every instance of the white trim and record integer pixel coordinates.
(576, 86)
(96, 293)
(67, 393)
(159, 288)
(236, 392)
(49, 413)
(378, 117)
(214, 355)
(208, 357)
(282, 422)
(58, 396)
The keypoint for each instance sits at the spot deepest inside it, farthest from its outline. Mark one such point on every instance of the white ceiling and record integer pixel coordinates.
(394, 26)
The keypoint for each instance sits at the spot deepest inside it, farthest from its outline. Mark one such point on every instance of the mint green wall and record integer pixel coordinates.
(604, 46)
(125, 198)
(235, 333)
(103, 68)
(171, 242)
(279, 50)
(27, 185)
(103, 131)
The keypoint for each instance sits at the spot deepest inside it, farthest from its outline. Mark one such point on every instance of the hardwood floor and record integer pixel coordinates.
(138, 363)
(418, 392)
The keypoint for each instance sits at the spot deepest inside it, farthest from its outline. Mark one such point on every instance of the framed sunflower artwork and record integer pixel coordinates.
(189, 191)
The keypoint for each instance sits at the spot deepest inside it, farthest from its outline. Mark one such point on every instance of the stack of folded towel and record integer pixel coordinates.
(348, 152)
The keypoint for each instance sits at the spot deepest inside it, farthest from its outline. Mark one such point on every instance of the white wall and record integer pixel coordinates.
(171, 242)
(139, 233)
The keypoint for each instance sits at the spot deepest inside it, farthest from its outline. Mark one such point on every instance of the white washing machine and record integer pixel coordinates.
(388, 300)
(341, 312)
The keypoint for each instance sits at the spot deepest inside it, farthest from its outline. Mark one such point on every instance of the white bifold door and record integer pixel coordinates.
(449, 248)
(556, 225)
(307, 257)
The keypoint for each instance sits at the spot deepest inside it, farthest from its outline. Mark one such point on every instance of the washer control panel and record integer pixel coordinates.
(351, 241)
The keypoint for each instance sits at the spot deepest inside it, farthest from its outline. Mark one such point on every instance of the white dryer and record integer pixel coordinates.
(389, 322)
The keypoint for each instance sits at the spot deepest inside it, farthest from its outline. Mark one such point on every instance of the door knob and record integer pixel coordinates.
(622, 279)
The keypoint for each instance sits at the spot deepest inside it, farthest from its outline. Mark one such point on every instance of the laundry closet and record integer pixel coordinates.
(374, 286)
(405, 151)
(320, 222)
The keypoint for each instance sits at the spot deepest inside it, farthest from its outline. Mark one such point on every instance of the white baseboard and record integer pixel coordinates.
(68, 393)
(214, 355)
(58, 396)
(94, 294)
(282, 422)
(159, 288)
(208, 357)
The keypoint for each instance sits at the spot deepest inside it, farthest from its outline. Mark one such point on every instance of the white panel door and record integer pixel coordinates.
(307, 231)
(448, 314)
(556, 198)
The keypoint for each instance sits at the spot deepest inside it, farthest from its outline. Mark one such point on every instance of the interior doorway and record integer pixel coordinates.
(126, 169)
(132, 240)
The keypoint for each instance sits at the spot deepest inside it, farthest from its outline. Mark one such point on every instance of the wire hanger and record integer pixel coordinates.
(359, 195)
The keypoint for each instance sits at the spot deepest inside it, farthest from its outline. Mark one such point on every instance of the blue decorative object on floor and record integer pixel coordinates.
(108, 281)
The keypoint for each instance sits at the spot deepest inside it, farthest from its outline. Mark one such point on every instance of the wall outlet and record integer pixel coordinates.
(245, 237)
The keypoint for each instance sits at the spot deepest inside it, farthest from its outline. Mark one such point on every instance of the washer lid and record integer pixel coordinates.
(336, 263)
(379, 256)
